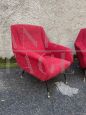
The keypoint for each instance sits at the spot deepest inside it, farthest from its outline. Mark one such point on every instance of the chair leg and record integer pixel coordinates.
(84, 76)
(22, 74)
(48, 92)
(65, 78)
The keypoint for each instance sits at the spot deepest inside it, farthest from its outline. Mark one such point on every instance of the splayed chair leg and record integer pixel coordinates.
(84, 76)
(65, 78)
(22, 74)
(48, 93)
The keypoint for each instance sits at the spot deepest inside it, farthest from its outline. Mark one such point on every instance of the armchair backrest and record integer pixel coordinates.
(29, 37)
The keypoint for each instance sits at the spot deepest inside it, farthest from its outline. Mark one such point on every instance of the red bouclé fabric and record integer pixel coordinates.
(80, 46)
(36, 54)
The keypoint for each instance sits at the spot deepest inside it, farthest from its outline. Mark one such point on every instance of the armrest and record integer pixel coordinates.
(59, 50)
(53, 46)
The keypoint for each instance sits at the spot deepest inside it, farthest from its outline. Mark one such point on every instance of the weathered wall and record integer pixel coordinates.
(62, 19)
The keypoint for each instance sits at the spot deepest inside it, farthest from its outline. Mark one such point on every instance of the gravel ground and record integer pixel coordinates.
(28, 96)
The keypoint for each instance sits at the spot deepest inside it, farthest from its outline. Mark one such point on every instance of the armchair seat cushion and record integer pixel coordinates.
(55, 66)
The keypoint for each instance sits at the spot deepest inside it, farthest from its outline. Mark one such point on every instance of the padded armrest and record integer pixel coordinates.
(53, 46)
(60, 49)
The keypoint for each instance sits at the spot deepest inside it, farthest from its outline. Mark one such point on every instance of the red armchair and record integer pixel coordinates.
(36, 54)
(80, 47)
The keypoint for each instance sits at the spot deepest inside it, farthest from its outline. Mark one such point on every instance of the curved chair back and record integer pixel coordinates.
(28, 36)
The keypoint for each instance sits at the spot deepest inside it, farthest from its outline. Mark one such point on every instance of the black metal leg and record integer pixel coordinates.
(84, 75)
(22, 74)
(65, 78)
(48, 93)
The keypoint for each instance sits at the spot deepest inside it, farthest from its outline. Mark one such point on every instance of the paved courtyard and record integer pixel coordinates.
(28, 96)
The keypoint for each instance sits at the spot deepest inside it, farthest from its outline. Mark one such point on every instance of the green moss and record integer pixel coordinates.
(8, 63)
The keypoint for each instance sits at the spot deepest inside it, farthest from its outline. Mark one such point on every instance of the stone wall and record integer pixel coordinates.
(62, 19)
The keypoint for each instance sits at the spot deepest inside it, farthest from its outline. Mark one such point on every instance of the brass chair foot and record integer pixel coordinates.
(48, 94)
(84, 79)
